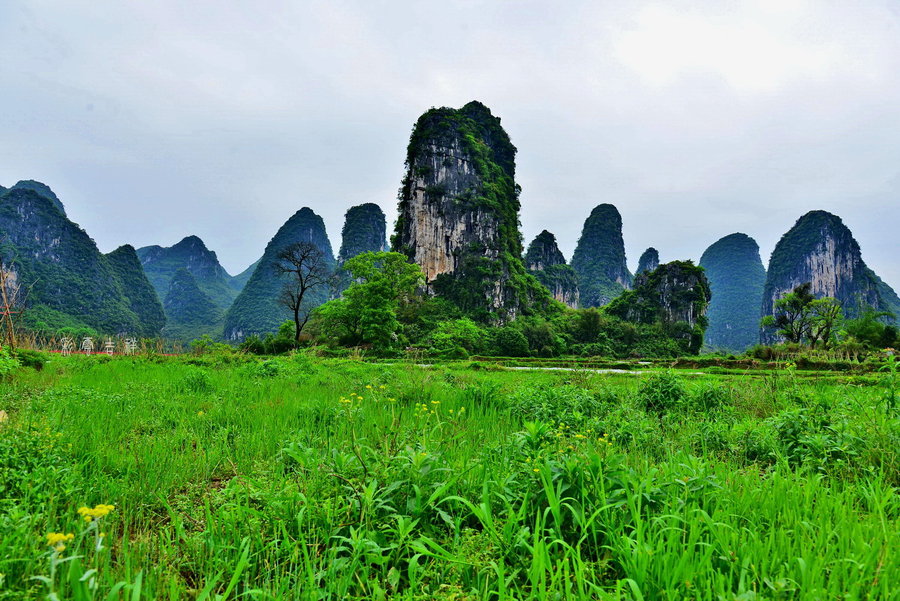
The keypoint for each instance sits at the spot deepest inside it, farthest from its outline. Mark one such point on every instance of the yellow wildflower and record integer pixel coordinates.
(57, 540)
(96, 513)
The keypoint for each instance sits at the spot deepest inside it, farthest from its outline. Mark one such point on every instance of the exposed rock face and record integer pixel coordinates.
(73, 284)
(599, 258)
(648, 261)
(736, 278)
(365, 230)
(546, 262)
(256, 309)
(142, 298)
(161, 264)
(674, 295)
(187, 305)
(458, 214)
(821, 250)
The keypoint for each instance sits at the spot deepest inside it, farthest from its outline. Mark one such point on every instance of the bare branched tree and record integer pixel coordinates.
(308, 269)
(12, 301)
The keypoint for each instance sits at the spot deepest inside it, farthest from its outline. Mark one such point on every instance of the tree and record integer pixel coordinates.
(367, 314)
(871, 328)
(791, 313)
(12, 301)
(308, 269)
(824, 316)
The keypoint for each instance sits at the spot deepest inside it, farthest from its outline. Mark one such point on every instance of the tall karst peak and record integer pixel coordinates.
(42, 189)
(736, 278)
(599, 258)
(365, 230)
(546, 262)
(821, 250)
(458, 214)
(649, 261)
(256, 309)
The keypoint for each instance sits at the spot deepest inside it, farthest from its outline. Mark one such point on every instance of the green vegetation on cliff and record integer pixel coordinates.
(736, 278)
(365, 230)
(675, 295)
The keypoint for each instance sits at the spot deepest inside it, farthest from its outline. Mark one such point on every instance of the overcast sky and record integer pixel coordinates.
(156, 120)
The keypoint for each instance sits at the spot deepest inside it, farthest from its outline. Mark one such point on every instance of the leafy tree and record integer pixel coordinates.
(791, 316)
(457, 338)
(308, 269)
(870, 328)
(824, 316)
(367, 314)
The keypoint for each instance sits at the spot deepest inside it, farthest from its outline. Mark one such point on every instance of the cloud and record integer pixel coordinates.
(153, 121)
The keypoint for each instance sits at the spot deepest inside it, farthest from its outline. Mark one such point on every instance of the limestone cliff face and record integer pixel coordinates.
(736, 278)
(458, 214)
(599, 258)
(649, 261)
(675, 295)
(821, 250)
(546, 262)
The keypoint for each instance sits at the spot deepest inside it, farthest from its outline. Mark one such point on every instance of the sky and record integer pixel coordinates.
(157, 120)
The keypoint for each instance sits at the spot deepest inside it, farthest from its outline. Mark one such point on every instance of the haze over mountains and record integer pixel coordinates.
(458, 218)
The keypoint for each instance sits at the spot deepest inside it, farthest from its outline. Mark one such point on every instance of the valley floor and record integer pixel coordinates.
(303, 478)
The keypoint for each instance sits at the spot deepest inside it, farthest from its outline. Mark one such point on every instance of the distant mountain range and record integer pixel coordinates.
(458, 219)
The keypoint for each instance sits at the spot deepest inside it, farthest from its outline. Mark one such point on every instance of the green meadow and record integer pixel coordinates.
(233, 477)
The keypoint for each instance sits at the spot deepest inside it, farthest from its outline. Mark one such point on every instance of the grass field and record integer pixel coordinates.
(304, 478)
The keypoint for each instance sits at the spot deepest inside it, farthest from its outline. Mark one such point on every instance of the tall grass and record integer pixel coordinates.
(300, 478)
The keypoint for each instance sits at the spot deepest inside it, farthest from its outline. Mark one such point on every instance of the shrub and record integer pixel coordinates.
(30, 358)
(456, 339)
(661, 392)
(197, 381)
(7, 363)
(508, 342)
(709, 397)
(570, 405)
